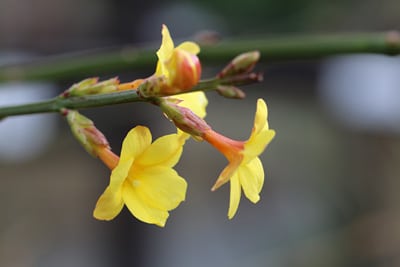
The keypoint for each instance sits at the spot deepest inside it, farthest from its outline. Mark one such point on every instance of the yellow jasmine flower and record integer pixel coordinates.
(178, 69)
(244, 170)
(179, 65)
(144, 179)
(182, 70)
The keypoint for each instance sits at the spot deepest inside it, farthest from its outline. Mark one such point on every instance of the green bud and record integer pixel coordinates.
(85, 132)
(243, 63)
(230, 91)
(91, 86)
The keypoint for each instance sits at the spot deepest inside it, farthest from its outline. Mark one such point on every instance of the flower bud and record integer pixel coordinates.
(183, 118)
(185, 71)
(243, 63)
(86, 133)
(91, 86)
(230, 91)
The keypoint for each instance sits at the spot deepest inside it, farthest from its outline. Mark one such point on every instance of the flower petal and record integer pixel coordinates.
(190, 47)
(234, 196)
(140, 208)
(251, 177)
(109, 205)
(165, 151)
(261, 116)
(165, 52)
(135, 142)
(227, 173)
(119, 174)
(161, 187)
(257, 144)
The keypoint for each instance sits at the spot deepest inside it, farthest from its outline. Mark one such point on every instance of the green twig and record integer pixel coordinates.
(272, 49)
(59, 103)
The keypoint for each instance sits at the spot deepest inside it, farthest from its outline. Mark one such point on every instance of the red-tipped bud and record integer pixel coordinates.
(184, 118)
(243, 63)
(86, 133)
(185, 71)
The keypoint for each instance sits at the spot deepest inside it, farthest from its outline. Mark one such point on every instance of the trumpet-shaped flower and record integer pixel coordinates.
(244, 170)
(144, 179)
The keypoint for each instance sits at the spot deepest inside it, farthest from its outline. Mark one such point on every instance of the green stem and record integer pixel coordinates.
(272, 49)
(57, 104)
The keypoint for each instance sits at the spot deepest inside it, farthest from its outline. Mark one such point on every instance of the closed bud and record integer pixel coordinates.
(230, 91)
(91, 86)
(86, 133)
(243, 63)
(185, 71)
(183, 118)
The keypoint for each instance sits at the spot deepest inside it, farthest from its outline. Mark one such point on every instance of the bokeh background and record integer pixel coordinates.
(331, 195)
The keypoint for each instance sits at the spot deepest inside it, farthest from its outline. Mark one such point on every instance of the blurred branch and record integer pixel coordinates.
(272, 49)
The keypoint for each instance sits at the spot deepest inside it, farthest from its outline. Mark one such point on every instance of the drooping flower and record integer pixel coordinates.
(144, 179)
(245, 170)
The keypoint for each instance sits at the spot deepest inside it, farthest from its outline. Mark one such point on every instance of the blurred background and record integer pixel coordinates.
(332, 185)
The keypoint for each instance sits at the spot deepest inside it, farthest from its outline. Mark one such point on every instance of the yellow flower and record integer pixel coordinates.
(144, 179)
(179, 65)
(178, 69)
(244, 170)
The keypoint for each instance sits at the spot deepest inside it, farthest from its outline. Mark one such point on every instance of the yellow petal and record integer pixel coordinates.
(261, 116)
(196, 101)
(226, 173)
(251, 177)
(234, 196)
(135, 142)
(109, 205)
(140, 208)
(165, 151)
(257, 144)
(119, 174)
(161, 188)
(190, 47)
(165, 52)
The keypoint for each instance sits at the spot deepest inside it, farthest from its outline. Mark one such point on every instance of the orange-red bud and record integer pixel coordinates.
(185, 71)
